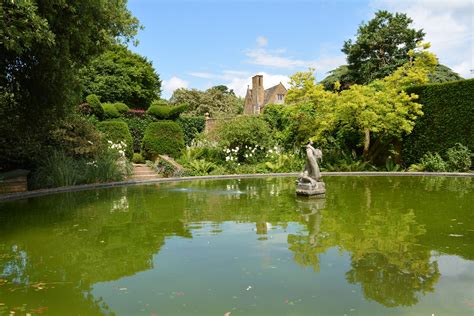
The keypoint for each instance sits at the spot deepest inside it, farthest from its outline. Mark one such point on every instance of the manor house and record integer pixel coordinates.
(258, 97)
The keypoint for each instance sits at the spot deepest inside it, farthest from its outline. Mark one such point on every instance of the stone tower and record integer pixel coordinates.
(258, 93)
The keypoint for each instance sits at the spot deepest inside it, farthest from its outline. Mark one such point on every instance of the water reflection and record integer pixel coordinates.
(54, 249)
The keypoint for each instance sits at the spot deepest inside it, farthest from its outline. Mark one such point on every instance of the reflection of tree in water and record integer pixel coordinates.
(382, 237)
(74, 241)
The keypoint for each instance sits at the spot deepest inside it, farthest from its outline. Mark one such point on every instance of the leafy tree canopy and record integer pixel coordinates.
(382, 108)
(381, 46)
(217, 101)
(119, 75)
(43, 43)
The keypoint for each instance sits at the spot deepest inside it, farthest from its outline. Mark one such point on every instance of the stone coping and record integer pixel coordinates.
(83, 187)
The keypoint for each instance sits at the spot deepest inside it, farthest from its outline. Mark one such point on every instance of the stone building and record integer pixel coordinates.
(258, 97)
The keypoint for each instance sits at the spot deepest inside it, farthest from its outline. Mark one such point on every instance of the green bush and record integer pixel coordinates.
(137, 126)
(110, 111)
(458, 158)
(242, 138)
(192, 125)
(166, 112)
(138, 158)
(77, 137)
(116, 132)
(164, 137)
(121, 107)
(94, 103)
(448, 111)
(433, 162)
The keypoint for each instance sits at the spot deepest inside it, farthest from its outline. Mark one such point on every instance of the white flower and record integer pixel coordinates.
(227, 158)
(236, 149)
(90, 142)
(270, 151)
(109, 141)
(246, 156)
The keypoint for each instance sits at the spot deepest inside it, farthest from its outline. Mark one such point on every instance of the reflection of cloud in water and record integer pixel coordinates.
(453, 265)
(211, 192)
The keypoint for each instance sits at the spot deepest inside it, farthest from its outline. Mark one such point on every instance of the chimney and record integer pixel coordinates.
(258, 93)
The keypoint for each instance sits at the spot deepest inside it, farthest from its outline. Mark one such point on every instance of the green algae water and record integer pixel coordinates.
(373, 246)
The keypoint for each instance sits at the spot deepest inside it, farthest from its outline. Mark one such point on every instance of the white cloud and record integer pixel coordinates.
(274, 59)
(262, 41)
(174, 83)
(448, 26)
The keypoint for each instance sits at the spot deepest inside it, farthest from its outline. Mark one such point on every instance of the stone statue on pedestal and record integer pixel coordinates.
(310, 182)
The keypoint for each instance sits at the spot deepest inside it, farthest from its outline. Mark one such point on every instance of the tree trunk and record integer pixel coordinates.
(366, 142)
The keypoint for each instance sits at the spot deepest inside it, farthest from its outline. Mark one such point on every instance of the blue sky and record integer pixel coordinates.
(201, 43)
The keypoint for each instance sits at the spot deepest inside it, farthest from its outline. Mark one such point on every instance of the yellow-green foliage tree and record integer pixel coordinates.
(379, 111)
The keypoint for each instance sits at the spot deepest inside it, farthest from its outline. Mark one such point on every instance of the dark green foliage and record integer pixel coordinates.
(119, 75)
(76, 137)
(116, 132)
(443, 74)
(42, 46)
(94, 102)
(166, 112)
(122, 108)
(381, 46)
(137, 126)
(340, 74)
(448, 119)
(433, 163)
(163, 138)
(192, 125)
(110, 111)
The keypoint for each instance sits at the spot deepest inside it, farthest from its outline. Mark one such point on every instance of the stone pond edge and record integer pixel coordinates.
(83, 187)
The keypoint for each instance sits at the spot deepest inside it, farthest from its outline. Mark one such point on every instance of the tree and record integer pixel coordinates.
(119, 75)
(339, 74)
(380, 111)
(443, 73)
(43, 44)
(217, 101)
(381, 46)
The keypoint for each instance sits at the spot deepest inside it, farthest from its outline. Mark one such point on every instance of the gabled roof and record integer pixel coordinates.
(270, 91)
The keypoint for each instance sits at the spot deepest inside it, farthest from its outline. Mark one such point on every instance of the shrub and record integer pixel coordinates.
(110, 111)
(164, 137)
(77, 137)
(166, 112)
(192, 125)
(138, 158)
(117, 131)
(94, 103)
(458, 158)
(122, 108)
(137, 125)
(243, 136)
(433, 162)
(449, 109)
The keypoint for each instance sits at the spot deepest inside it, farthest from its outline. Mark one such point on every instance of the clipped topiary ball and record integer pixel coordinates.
(94, 103)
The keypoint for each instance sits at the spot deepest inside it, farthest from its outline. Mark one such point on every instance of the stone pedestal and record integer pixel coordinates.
(316, 189)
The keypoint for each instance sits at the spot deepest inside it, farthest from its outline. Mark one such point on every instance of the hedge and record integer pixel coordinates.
(191, 126)
(163, 137)
(137, 125)
(121, 107)
(94, 103)
(448, 119)
(117, 131)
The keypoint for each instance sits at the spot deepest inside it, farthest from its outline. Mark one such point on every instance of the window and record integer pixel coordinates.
(280, 97)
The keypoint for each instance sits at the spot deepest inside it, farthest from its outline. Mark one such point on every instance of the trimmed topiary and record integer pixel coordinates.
(117, 131)
(166, 112)
(121, 107)
(94, 103)
(110, 111)
(163, 138)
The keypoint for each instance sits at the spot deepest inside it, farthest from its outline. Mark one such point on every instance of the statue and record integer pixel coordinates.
(310, 182)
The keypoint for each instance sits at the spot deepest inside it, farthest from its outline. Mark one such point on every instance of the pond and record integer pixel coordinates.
(373, 246)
